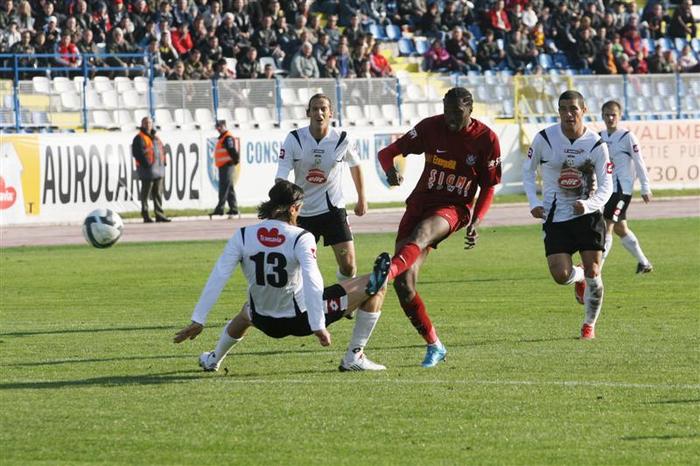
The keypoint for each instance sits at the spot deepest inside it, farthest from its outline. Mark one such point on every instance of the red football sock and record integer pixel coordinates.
(416, 313)
(404, 259)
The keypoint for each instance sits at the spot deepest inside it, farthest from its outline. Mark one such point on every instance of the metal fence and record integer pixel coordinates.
(74, 104)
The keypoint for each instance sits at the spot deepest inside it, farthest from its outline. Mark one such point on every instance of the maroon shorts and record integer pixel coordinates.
(457, 216)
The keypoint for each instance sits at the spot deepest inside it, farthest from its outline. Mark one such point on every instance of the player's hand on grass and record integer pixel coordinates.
(471, 235)
(646, 198)
(538, 212)
(188, 333)
(324, 338)
(393, 177)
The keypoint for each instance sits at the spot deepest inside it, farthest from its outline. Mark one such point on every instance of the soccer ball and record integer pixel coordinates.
(102, 228)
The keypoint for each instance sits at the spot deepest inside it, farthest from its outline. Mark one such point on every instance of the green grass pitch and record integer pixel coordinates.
(90, 373)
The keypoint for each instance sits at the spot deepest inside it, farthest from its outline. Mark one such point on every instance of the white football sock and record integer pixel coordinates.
(576, 275)
(224, 345)
(364, 325)
(593, 299)
(632, 245)
(342, 277)
(608, 246)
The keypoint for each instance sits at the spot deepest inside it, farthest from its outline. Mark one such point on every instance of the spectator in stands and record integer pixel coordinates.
(304, 64)
(515, 16)
(458, 47)
(520, 52)
(140, 16)
(181, 39)
(212, 16)
(167, 51)
(348, 9)
(332, 31)
(488, 54)
(380, 65)
(25, 20)
(241, 19)
(248, 67)
(683, 23)
(164, 12)
(7, 15)
(601, 35)
(639, 63)
(300, 28)
(672, 64)
(364, 69)
(430, 23)
(178, 71)
(212, 50)
(194, 68)
(42, 47)
(593, 14)
(265, 39)
(149, 33)
(117, 45)
(222, 71)
(70, 26)
(101, 24)
(538, 39)
(437, 58)
(53, 33)
(314, 28)
(272, 8)
(654, 22)
(149, 153)
(47, 11)
(631, 40)
(346, 65)
(354, 31)
(617, 47)
(450, 17)
(498, 20)
(10, 36)
(624, 65)
(619, 15)
(411, 11)
(687, 62)
(330, 67)
(67, 54)
(119, 11)
(127, 28)
(604, 62)
(268, 72)
(285, 37)
(25, 46)
(529, 18)
(183, 13)
(152, 58)
(322, 50)
(229, 36)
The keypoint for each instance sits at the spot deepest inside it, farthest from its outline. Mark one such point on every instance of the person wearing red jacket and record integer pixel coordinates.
(182, 39)
(462, 157)
(498, 20)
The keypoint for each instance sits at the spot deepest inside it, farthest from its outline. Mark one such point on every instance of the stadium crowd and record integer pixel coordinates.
(197, 39)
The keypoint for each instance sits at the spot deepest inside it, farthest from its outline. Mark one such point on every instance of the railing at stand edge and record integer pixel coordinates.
(399, 102)
(339, 99)
(278, 101)
(625, 90)
(215, 99)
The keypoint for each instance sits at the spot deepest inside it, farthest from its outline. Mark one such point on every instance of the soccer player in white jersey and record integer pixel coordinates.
(317, 154)
(628, 164)
(576, 184)
(285, 288)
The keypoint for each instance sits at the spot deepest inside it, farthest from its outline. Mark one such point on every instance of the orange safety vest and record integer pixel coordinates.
(148, 149)
(221, 155)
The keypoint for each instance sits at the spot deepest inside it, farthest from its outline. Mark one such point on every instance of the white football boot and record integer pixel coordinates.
(360, 364)
(206, 363)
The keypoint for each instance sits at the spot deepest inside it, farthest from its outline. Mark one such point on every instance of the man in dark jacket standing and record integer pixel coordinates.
(149, 153)
(226, 157)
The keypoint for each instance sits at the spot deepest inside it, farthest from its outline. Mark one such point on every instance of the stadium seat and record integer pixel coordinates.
(110, 100)
(651, 44)
(288, 96)
(490, 77)
(124, 120)
(164, 119)
(406, 47)
(132, 99)
(123, 84)
(41, 85)
(501, 44)
(242, 117)
(679, 43)
(476, 31)
(141, 84)
(375, 115)
(377, 32)
(101, 119)
(102, 84)
(183, 118)
(264, 61)
(204, 118)
(408, 112)
(61, 84)
(70, 101)
(545, 61)
(561, 61)
(393, 32)
(92, 99)
(40, 119)
(390, 113)
(422, 45)
(7, 118)
(140, 114)
(356, 115)
(264, 117)
(225, 114)
(304, 94)
(665, 43)
(695, 44)
(79, 84)
(507, 108)
(414, 93)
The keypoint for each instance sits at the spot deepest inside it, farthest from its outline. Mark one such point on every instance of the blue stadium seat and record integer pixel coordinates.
(476, 31)
(377, 31)
(561, 61)
(665, 43)
(406, 47)
(651, 45)
(422, 46)
(695, 44)
(679, 42)
(545, 61)
(393, 32)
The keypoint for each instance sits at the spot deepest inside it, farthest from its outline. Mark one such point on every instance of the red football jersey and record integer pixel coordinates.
(455, 162)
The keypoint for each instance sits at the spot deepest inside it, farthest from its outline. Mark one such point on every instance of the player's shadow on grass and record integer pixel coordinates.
(107, 381)
(663, 402)
(96, 360)
(86, 330)
(659, 437)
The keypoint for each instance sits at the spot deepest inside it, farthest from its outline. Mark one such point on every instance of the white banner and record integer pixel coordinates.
(59, 178)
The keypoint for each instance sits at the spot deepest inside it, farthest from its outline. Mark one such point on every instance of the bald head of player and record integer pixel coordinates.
(457, 107)
(320, 112)
(572, 108)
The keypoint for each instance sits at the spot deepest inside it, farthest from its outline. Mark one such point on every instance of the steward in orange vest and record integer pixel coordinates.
(149, 153)
(225, 158)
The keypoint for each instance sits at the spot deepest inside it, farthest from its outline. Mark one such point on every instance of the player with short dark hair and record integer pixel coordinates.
(285, 288)
(317, 154)
(628, 164)
(462, 156)
(576, 184)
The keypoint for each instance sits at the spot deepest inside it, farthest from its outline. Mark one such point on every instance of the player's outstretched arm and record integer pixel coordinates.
(188, 333)
(324, 337)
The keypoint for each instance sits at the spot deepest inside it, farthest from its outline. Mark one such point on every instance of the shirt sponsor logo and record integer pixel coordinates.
(570, 178)
(440, 162)
(494, 163)
(529, 153)
(282, 154)
(413, 133)
(270, 238)
(635, 147)
(471, 159)
(573, 151)
(609, 167)
(8, 195)
(316, 176)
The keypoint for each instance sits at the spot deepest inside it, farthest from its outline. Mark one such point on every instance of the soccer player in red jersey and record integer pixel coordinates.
(462, 156)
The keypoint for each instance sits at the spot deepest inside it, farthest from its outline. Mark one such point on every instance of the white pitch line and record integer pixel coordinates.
(564, 383)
